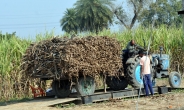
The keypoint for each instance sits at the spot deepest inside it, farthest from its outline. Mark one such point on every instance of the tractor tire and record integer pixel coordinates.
(61, 88)
(117, 83)
(85, 86)
(133, 73)
(174, 79)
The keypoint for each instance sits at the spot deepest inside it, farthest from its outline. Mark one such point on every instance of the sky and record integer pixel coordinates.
(31, 17)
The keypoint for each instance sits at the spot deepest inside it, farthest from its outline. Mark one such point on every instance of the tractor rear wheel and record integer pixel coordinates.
(85, 86)
(117, 83)
(61, 88)
(133, 73)
(174, 79)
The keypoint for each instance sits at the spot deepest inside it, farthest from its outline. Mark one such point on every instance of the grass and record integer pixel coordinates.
(65, 105)
(178, 91)
(13, 101)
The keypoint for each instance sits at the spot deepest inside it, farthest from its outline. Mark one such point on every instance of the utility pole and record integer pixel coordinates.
(182, 19)
(182, 12)
(183, 15)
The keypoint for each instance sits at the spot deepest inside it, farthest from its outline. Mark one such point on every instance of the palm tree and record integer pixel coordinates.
(69, 21)
(94, 15)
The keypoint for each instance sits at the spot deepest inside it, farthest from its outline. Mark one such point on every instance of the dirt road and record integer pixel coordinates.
(174, 101)
(162, 102)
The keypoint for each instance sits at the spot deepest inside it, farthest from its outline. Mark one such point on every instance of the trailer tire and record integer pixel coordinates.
(61, 88)
(117, 83)
(85, 86)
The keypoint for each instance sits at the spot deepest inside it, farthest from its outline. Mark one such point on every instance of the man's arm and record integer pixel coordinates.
(139, 47)
(150, 57)
(141, 64)
(130, 48)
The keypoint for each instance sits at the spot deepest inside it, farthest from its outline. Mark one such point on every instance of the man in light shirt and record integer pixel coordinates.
(146, 72)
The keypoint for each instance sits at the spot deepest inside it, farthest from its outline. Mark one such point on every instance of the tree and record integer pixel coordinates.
(162, 12)
(94, 15)
(122, 16)
(69, 22)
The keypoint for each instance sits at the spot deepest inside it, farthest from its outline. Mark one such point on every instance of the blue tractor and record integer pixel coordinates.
(160, 64)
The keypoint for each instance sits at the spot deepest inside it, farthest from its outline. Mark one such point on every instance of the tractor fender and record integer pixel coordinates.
(131, 60)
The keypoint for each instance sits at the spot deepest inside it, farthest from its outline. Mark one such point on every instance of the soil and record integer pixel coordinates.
(171, 101)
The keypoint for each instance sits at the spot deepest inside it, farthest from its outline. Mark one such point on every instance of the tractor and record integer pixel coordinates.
(160, 64)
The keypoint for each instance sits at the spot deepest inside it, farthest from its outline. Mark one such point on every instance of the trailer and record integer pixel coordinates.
(100, 96)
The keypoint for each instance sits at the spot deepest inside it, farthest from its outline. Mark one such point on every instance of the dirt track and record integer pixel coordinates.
(174, 101)
(164, 101)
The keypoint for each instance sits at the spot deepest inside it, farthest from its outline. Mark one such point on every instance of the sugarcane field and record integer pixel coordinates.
(110, 55)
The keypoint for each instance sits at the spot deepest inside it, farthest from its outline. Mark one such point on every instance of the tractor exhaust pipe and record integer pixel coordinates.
(161, 49)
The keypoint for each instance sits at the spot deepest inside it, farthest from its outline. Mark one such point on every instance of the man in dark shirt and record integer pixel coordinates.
(131, 48)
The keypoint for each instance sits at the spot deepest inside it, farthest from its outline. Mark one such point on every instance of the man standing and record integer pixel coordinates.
(146, 72)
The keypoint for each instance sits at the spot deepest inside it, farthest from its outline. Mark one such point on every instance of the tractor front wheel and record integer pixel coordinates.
(174, 79)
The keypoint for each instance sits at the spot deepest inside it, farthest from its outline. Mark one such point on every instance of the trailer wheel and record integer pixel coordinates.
(117, 83)
(174, 79)
(85, 86)
(61, 88)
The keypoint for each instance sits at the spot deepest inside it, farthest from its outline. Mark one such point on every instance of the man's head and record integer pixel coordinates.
(132, 42)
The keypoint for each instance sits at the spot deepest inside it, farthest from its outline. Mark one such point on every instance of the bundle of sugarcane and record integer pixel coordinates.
(70, 58)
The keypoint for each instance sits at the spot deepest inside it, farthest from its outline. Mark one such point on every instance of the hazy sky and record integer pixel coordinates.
(31, 17)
